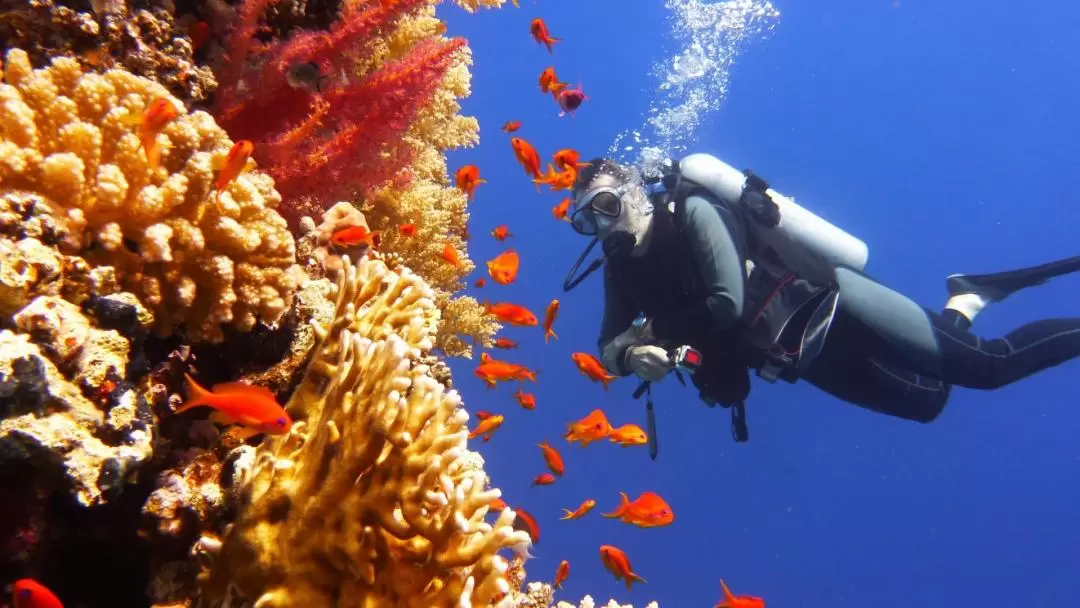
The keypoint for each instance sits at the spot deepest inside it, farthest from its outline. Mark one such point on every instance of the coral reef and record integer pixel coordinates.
(372, 499)
(195, 260)
(588, 602)
(103, 35)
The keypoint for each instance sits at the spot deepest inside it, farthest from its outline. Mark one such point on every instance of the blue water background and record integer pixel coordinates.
(944, 134)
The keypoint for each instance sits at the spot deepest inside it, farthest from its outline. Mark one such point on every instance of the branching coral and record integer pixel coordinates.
(373, 499)
(146, 42)
(195, 260)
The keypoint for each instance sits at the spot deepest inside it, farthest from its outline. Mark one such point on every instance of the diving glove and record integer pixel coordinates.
(648, 362)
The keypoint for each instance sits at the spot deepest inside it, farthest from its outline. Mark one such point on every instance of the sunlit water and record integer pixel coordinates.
(693, 82)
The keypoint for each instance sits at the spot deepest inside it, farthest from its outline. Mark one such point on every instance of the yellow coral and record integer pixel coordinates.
(473, 5)
(372, 499)
(193, 260)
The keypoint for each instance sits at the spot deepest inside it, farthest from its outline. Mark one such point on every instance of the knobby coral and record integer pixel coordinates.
(195, 260)
(373, 499)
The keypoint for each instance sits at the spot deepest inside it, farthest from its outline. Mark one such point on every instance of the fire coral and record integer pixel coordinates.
(345, 138)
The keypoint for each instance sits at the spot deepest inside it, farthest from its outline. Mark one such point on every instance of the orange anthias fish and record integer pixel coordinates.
(199, 32)
(492, 370)
(497, 504)
(527, 400)
(234, 163)
(553, 178)
(570, 100)
(451, 255)
(479, 283)
(618, 564)
(628, 435)
(152, 121)
(525, 521)
(592, 368)
(355, 236)
(28, 593)
(253, 407)
(544, 479)
(593, 427)
(552, 458)
(511, 125)
(560, 210)
(513, 314)
(549, 82)
(482, 415)
(568, 158)
(503, 268)
(407, 230)
(586, 506)
(501, 233)
(647, 511)
(540, 33)
(487, 427)
(467, 179)
(505, 343)
(561, 573)
(549, 319)
(526, 155)
(738, 601)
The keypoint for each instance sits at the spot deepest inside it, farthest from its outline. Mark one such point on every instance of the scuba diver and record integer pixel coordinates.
(711, 257)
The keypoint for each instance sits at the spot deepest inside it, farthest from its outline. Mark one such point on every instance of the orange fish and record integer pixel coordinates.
(647, 511)
(451, 255)
(467, 179)
(593, 427)
(497, 504)
(199, 32)
(407, 230)
(483, 415)
(479, 283)
(515, 3)
(570, 100)
(526, 155)
(525, 521)
(540, 33)
(511, 125)
(487, 427)
(544, 479)
(549, 82)
(568, 158)
(234, 163)
(511, 313)
(28, 593)
(253, 407)
(152, 121)
(592, 368)
(586, 506)
(552, 458)
(550, 177)
(549, 318)
(527, 400)
(492, 370)
(738, 601)
(503, 268)
(505, 343)
(628, 435)
(560, 210)
(561, 573)
(618, 564)
(354, 236)
(501, 233)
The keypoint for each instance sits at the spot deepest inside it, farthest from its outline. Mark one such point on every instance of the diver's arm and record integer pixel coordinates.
(723, 275)
(614, 335)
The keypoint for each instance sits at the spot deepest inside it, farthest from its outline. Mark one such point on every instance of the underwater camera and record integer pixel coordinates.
(685, 359)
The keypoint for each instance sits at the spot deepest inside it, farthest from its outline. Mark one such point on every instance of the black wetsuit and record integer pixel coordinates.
(883, 351)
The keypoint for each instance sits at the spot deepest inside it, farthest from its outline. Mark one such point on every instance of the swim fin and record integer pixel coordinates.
(997, 286)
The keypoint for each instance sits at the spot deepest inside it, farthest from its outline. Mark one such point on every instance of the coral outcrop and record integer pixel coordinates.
(195, 260)
(373, 498)
(145, 41)
(588, 602)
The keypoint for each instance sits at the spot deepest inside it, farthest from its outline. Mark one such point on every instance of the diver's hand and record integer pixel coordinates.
(650, 363)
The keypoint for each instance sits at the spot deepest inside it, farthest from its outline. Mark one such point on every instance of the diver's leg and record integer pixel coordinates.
(898, 332)
(970, 293)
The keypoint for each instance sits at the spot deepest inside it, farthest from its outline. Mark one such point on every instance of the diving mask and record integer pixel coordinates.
(596, 207)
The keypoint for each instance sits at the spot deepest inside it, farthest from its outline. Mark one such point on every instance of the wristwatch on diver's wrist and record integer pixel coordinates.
(643, 328)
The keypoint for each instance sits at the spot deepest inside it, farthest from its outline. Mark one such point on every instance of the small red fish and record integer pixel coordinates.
(503, 268)
(253, 407)
(501, 233)
(560, 210)
(544, 479)
(618, 564)
(152, 121)
(28, 593)
(467, 179)
(586, 506)
(505, 343)
(561, 573)
(451, 255)
(591, 368)
(549, 82)
(511, 313)
(593, 427)
(549, 319)
(647, 511)
(570, 100)
(492, 370)
(483, 415)
(480, 283)
(527, 156)
(199, 32)
(511, 125)
(355, 236)
(552, 458)
(407, 230)
(628, 435)
(540, 33)
(234, 163)
(487, 427)
(738, 601)
(527, 400)
(568, 158)
(525, 521)
(497, 504)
